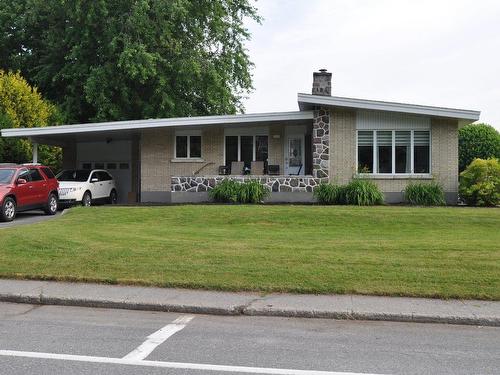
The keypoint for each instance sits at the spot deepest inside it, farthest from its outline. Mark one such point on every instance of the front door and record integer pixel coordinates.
(294, 154)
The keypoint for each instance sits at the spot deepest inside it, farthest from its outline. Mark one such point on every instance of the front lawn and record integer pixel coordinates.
(432, 252)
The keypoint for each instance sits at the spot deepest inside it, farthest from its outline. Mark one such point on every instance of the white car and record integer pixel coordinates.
(86, 186)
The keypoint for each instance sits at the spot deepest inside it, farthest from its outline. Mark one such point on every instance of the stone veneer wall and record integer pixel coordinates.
(321, 144)
(274, 183)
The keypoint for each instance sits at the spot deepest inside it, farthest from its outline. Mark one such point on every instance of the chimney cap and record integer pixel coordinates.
(323, 70)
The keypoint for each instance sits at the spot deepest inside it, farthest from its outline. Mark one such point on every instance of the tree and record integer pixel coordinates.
(477, 141)
(130, 59)
(23, 106)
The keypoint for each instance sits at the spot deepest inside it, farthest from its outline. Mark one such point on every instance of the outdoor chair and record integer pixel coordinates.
(257, 168)
(237, 167)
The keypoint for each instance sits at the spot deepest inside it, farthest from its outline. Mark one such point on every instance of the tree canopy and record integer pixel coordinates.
(131, 59)
(23, 106)
(477, 141)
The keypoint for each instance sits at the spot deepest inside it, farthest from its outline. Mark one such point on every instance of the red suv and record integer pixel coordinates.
(27, 187)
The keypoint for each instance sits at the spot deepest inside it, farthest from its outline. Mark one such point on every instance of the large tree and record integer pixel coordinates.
(130, 59)
(23, 106)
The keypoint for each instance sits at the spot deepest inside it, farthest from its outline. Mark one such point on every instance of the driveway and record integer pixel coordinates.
(28, 217)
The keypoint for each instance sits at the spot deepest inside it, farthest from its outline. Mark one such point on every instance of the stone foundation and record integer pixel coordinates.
(274, 183)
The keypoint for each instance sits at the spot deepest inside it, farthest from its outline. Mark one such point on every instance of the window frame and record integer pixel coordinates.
(188, 135)
(254, 145)
(393, 150)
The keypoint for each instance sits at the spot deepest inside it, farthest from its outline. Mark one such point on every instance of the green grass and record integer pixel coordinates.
(445, 252)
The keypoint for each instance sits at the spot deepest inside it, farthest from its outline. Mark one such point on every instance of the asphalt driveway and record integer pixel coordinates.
(29, 217)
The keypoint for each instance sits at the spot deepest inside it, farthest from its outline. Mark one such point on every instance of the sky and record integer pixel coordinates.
(441, 52)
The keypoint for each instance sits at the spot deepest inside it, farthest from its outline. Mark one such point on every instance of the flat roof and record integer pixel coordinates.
(252, 118)
(308, 101)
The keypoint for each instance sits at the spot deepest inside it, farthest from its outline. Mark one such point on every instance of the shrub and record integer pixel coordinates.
(477, 141)
(226, 191)
(230, 191)
(329, 194)
(252, 191)
(362, 193)
(480, 183)
(424, 194)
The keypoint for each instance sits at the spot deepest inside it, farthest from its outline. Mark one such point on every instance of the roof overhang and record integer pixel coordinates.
(134, 126)
(308, 102)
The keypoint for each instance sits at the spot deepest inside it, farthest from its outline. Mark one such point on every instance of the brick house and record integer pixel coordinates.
(330, 138)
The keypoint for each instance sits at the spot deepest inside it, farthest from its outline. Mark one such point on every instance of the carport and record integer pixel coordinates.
(88, 146)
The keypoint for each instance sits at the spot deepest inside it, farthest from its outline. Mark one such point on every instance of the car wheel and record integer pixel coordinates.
(8, 209)
(113, 197)
(52, 205)
(87, 199)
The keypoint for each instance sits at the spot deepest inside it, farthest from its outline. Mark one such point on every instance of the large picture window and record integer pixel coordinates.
(393, 151)
(187, 146)
(246, 148)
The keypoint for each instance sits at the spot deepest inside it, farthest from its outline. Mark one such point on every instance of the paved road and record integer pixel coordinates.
(28, 217)
(62, 340)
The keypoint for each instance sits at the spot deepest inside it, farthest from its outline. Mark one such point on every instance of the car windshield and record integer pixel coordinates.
(74, 175)
(6, 175)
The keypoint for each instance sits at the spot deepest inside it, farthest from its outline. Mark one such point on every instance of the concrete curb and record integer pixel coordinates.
(255, 305)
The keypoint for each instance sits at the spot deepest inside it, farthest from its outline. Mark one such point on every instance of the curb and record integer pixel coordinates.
(244, 310)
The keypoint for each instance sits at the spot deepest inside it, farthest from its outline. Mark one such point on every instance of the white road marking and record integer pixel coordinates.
(157, 338)
(176, 365)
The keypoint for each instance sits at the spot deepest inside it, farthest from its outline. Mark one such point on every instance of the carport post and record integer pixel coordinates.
(35, 153)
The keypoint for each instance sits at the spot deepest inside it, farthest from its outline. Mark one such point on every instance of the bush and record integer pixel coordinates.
(477, 141)
(329, 194)
(230, 191)
(480, 183)
(252, 191)
(226, 191)
(362, 193)
(424, 194)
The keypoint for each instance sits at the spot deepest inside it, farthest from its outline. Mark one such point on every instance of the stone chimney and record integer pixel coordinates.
(322, 83)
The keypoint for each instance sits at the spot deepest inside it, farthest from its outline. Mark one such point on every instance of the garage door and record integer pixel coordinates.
(114, 157)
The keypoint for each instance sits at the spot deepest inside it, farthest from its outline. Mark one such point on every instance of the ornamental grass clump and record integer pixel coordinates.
(362, 192)
(225, 192)
(329, 194)
(424, 194)
(230, 191)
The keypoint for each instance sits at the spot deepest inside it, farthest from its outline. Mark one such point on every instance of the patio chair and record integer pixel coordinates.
(257, 168)
(237, 167)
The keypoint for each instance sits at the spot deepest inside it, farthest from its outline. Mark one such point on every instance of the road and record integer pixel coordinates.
(62, 340)
(29, 217)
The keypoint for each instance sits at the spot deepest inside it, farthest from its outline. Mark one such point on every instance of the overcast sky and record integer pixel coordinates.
(435, 52)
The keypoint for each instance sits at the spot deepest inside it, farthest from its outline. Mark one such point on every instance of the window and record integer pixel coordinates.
(87, 166)
(384, 152)
(124, 166)
(365, 152)
(421, 152)
(231, 149)
(35, 175)
(246, 148)
(111, 166)
(187, 146)
(74, 175)
(25, 175)
(48, 173)
(261, 148)
(103, 176)
(393, 151)
(99, 166)
(403, 152)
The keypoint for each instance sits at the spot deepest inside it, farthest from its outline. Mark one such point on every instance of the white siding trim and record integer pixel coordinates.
(378, 120)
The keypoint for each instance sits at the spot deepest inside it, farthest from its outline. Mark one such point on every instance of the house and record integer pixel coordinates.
(329, 138)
